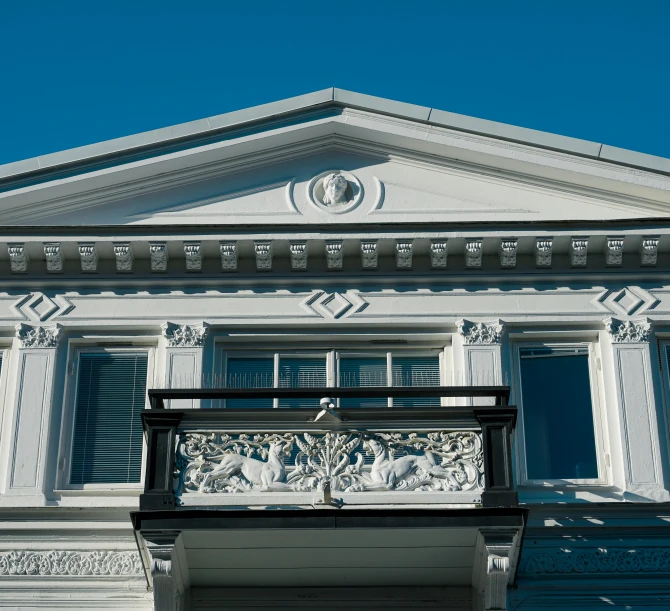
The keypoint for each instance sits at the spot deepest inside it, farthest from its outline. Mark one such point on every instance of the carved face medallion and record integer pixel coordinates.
(336, 191)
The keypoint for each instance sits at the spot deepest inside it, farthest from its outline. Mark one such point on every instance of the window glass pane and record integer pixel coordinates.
(416, 371)
(558, 414)
(250, 372)
(301, 372)
(107, 445)
(363, 371)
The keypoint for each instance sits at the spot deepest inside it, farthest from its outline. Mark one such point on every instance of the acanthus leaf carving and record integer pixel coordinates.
(220, 462)
(38, 337)
(480, 332)
(629, 331)
(185, 336)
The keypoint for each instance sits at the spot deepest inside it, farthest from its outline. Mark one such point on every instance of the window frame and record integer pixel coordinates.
(597, 407)
(66, 445)
(333, 356)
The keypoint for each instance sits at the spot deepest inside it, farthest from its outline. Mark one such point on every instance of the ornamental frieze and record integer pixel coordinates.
(219, 462)
(71, 563)
(644, 560)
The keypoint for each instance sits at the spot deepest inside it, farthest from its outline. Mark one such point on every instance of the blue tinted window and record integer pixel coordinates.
(558, 414)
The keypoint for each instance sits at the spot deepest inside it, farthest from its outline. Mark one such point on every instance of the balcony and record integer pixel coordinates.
(361, 497)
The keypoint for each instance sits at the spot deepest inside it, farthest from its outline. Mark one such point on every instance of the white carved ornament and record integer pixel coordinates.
(38, 337)
(480, 332)
(70, 563)
(628, 331)
(184, 336)
(219, 462)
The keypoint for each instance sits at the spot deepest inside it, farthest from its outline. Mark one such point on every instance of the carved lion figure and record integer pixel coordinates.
(334, 187)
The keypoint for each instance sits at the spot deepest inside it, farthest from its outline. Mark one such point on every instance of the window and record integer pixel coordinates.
(107, 438)
(558, 413)
(332, 368)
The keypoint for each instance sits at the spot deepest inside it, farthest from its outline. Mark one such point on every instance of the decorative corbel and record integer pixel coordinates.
(473, 252)
(298, 251)
(88, 256)
(334, 254)
(193, 254)
(543, 251)
(18, 258)
(159, 256)
(123, 253)
(579, 248)
(649, 251)
(403, 254)
(369, 254)
(613, 252)
(508, 248)
(438, 254)
(263, 250)
(495, 551)
(228, 256)
(168, 569)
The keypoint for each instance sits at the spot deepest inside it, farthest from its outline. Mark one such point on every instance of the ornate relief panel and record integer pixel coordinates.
(352, 461)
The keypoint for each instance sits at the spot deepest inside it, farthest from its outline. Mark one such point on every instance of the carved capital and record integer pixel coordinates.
(629, 331)
(492, 569)
(481, 332)
(38, 337)
(185, 336)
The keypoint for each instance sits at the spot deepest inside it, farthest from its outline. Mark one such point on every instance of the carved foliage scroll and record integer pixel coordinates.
(70, 563)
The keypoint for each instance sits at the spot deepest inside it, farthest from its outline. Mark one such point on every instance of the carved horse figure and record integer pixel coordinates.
(386, 472)
(268, 475)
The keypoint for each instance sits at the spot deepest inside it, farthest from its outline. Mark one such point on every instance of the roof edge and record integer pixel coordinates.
(127, 145)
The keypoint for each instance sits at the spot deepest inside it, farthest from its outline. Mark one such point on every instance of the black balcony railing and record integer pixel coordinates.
(454, 427)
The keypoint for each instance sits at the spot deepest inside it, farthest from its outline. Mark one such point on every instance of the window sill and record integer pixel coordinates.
(113, 491)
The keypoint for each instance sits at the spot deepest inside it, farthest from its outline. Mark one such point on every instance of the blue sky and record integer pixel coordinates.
(80, 72)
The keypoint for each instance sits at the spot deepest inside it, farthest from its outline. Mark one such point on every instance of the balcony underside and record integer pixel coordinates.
(330, 548)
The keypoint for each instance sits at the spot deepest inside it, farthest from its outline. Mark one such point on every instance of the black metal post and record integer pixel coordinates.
(497, 433)
(161, 432)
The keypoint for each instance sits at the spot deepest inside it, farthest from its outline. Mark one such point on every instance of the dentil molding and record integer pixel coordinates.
(70, 563)
(481, 332)
(629, 331)
(38, 337)
(185, 336)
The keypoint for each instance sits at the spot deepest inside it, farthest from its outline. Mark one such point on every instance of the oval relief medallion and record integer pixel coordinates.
(336, 191)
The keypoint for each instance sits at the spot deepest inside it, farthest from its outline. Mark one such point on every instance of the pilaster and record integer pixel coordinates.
(633, 358)
(478, 354)
(31, 416)
(185, 345)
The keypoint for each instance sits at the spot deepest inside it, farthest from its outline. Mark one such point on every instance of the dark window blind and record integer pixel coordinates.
(363, 371)
(416, 371)
(107, 445)
(301, 372)
(253, 372)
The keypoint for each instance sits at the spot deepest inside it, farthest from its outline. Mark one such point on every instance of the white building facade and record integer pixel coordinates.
(347, 244)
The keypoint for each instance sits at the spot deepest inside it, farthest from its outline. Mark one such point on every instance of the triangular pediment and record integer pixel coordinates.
(398, 169)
